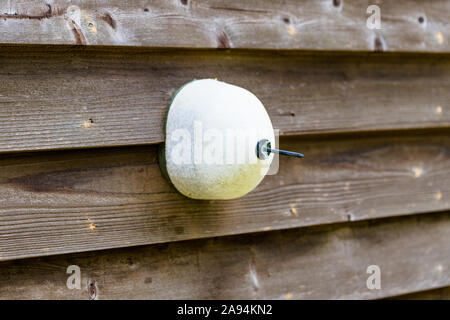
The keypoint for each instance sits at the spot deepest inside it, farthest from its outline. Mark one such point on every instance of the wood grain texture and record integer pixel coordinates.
(436, 294)
(328, 262)
(58, 97)
(61, 202)
(406, 25)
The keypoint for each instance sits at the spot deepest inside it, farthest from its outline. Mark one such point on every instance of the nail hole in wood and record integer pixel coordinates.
(92, 290)
(337, 3)
(148, 280)
(378, 44)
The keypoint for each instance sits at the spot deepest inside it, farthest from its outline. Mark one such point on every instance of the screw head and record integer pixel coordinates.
(262, 147)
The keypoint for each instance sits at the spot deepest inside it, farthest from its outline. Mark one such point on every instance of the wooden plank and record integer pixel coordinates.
(59, 97)
(327, 262)
(61, 202)
(406, 25)
(436, 294)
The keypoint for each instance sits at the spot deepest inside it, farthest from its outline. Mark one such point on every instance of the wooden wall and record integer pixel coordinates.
(84, 88)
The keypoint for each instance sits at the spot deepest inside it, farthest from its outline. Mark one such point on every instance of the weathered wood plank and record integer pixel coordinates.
(72, 201)
(327, 262)
(436, 294)
(58, 97)
(406, 25)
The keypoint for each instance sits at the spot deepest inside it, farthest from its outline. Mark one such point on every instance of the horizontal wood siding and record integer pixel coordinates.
(60, 97)
(369, 108)
(60, 202)
(406, 25)
(327, 262)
